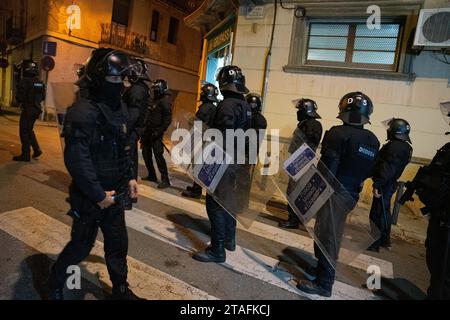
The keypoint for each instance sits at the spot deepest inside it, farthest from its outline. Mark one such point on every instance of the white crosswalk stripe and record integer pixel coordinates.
(47, 235)
(263, 230)
(243, 260)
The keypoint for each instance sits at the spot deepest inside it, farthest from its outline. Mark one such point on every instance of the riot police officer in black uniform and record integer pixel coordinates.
(432, 185)
(97, 157)
(82, 83)
(205, 113)
(391, 161)
(349, 152)
(158, 119)
(259, 122)
(308, 130)
(137, 98)
(30, 94)
(232, 113)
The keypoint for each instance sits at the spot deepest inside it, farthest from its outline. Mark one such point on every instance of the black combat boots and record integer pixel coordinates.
(165, 183)
(291, 223)
(123, 292)
(214, 253)
(22, 158)
(230, 244)
(37, 154)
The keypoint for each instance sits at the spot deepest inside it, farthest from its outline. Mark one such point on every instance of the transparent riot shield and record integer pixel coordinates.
(64, 95)
(227, 167)
(340, 228)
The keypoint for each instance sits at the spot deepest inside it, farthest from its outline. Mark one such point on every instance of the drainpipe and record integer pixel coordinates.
(269, 57)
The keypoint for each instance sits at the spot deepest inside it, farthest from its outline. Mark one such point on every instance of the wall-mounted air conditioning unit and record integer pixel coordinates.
(433, 28)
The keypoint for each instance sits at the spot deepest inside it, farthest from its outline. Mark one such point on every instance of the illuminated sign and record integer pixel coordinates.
(220, 40)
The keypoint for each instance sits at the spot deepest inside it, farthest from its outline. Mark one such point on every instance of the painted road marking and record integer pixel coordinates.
(48, 235)
(243, 260)
(263, 230)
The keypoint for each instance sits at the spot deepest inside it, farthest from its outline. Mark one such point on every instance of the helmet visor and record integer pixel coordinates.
(445, 109)
(119, 64)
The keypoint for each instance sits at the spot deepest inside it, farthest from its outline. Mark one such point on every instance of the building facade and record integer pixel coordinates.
(68, 31)
(323, 49)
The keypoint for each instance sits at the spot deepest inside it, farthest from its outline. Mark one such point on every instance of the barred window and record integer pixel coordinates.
(353, 45)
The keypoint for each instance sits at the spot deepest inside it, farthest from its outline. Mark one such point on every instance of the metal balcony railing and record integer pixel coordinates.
(119, 36)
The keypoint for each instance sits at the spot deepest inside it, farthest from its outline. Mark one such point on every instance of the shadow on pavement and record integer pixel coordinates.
(33, 283)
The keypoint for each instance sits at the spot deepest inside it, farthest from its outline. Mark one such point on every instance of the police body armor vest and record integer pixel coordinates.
(358, 159)
(110, 148)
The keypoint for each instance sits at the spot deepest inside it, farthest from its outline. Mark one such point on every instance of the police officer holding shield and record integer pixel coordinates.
(30, 94)
(205, 113)
(349, 152)
(391, 161)
(97, 156)
(308, 130)
(232, 113)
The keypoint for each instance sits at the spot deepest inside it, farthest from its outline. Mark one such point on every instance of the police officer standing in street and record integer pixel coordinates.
(30, 94)
(308, 130)
(137, 99)
(158, 119)
(232, 113)
(390, 163)
(259, 122)
(349, 152)
(432, 185)
(97, 156)
(205, 113)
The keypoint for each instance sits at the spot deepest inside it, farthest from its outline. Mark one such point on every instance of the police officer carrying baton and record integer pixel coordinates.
(390, 163)
(97, 156)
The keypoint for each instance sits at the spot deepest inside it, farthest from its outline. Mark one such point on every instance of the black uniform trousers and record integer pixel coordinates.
(437, 255)
(84, 233)
(223, 225)
(329, 229)
(381, 215)
(155, 147)
(28, 139)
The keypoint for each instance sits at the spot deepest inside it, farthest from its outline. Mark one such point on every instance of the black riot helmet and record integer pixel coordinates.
(231, 78)
(398, 129)
(138, 70)
(255, 102)
(29, 68)
(105, 64)
(160, 88)
(307, 108)
(355, 109)
(209, 92)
